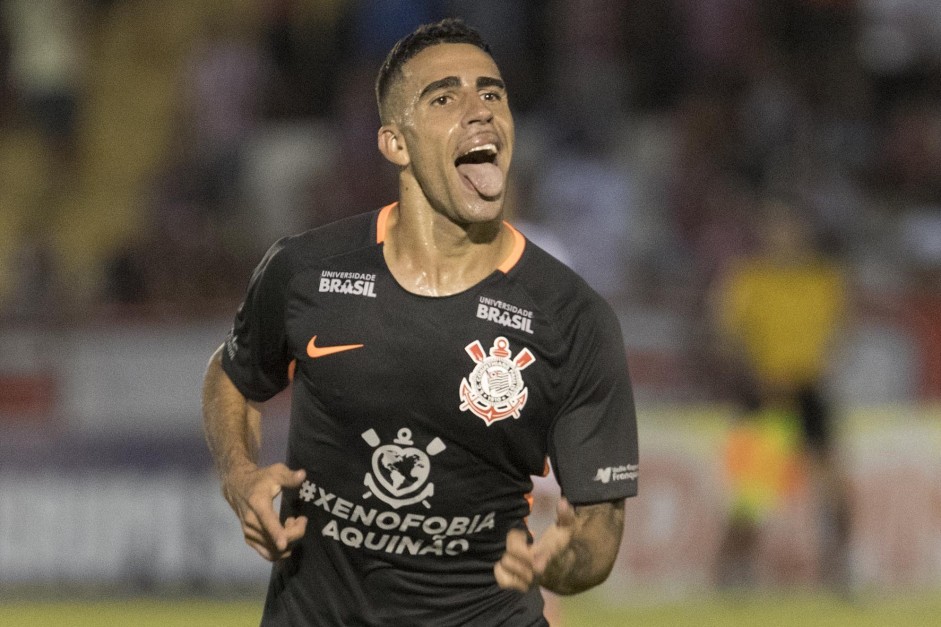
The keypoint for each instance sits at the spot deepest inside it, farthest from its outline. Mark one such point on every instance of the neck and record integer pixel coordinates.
(431, 255)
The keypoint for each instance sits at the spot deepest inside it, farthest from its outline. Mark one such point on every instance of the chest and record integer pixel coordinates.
(482, 367)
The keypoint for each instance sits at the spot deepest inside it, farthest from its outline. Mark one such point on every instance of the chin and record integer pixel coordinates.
(481, 210)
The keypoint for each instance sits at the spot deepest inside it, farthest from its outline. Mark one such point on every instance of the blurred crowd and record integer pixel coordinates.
(652, 136)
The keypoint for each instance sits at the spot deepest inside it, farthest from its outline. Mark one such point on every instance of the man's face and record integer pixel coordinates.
(453, 116)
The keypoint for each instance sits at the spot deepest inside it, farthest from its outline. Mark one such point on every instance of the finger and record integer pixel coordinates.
(517, 542)
(509, 581)
(513, 575)
(258, 536)
(288, 478)
(264, 546)
(514, 570)
(519, 549)
(269, 523)
(294, 528)
(547, 547)
(252, 528)
(272, 555)
(556, 538)
(565, 514)
(261, 547)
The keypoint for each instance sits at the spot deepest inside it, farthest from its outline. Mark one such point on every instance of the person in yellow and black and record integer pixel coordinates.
(778, 316)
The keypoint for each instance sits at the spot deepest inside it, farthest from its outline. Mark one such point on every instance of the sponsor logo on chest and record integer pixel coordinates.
(352, 283)
(505, 314)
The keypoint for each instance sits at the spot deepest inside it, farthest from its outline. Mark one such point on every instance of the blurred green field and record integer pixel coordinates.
(803, 610)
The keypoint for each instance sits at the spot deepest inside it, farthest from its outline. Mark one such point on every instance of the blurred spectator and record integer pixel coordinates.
(6, 91)
(126, 282)
(36, 295)
(911, 150)
(771, 113)
(899, 38)
(920, 238)
(222, 90)
(708, 200)
(586, 199)
(47, 59)
(290, 176)
(187, 260)
(516, 32)
(721, 36)
(305, 44)
(376, 26)
(778, 316)
(359, 178)
(587, 34)
(657, 60)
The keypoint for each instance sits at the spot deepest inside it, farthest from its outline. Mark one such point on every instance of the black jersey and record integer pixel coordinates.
(420, 421)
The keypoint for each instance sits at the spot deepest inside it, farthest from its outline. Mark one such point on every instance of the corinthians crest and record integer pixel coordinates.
(495, 390)
(400, 471)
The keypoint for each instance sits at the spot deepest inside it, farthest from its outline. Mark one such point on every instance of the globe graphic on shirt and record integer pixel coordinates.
(404, 470)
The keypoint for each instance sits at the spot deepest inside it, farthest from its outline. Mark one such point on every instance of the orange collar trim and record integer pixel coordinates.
(519, 242)
(519, 245)
(382, 222)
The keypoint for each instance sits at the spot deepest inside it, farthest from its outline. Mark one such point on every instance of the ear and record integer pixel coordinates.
(392, 145)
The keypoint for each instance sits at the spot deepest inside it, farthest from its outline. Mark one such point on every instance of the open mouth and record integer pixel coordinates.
(486, 153)
(479, 168)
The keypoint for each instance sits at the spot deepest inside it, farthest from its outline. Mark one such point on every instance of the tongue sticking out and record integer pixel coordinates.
(486, 178)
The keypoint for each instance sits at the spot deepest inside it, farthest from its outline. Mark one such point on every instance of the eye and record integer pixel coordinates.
(492, 96)
(441, 100)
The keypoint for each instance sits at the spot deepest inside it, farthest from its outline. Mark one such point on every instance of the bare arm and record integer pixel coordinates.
(573, 555)
(232, 425)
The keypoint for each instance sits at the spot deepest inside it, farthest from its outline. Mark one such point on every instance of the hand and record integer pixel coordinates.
(523, 564)
(250, 491)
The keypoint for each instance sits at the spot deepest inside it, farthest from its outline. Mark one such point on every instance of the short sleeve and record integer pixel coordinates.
(256, 355)
(593, 444)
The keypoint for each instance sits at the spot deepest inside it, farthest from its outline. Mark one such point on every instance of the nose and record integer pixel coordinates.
(477, 111)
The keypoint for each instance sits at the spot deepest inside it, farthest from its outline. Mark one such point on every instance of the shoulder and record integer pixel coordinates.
(296, 253)
(559, 292)
(552, 283)
(346, 235)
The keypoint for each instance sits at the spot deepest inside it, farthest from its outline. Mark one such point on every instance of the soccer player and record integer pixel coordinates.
(437, 360)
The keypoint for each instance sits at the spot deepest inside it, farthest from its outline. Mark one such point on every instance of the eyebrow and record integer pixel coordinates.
(450, 82)
(490, 81)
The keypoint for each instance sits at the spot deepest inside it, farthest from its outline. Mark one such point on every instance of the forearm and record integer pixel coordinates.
(233, 432)
(589, 557)
(231, 423)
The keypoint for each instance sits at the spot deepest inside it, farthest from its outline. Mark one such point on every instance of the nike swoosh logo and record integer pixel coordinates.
(314, 351)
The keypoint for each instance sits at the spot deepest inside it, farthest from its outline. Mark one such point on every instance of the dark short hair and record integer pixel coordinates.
(447, 31)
